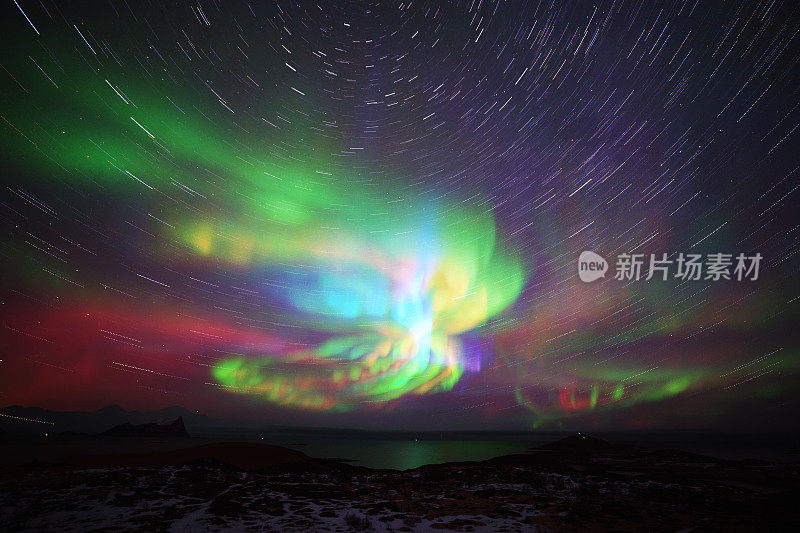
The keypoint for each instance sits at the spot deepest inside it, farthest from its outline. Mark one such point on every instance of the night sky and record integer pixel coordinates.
(370, 215)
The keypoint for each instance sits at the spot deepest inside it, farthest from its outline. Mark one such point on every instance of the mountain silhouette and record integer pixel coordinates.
(36, 420)
(173, 429)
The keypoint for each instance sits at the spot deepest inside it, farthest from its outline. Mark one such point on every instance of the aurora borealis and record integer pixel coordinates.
(370, 214)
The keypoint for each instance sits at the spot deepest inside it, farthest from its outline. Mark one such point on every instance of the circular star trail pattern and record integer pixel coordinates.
(370, 214)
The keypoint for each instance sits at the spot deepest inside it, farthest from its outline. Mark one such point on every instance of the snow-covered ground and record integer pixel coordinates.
(550, 492)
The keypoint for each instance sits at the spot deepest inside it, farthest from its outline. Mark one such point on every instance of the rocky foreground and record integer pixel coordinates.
(576, 484)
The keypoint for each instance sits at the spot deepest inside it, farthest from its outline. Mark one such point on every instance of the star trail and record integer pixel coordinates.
(370, 214)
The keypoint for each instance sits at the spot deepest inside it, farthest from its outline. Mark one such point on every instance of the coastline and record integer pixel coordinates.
(575, 483)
